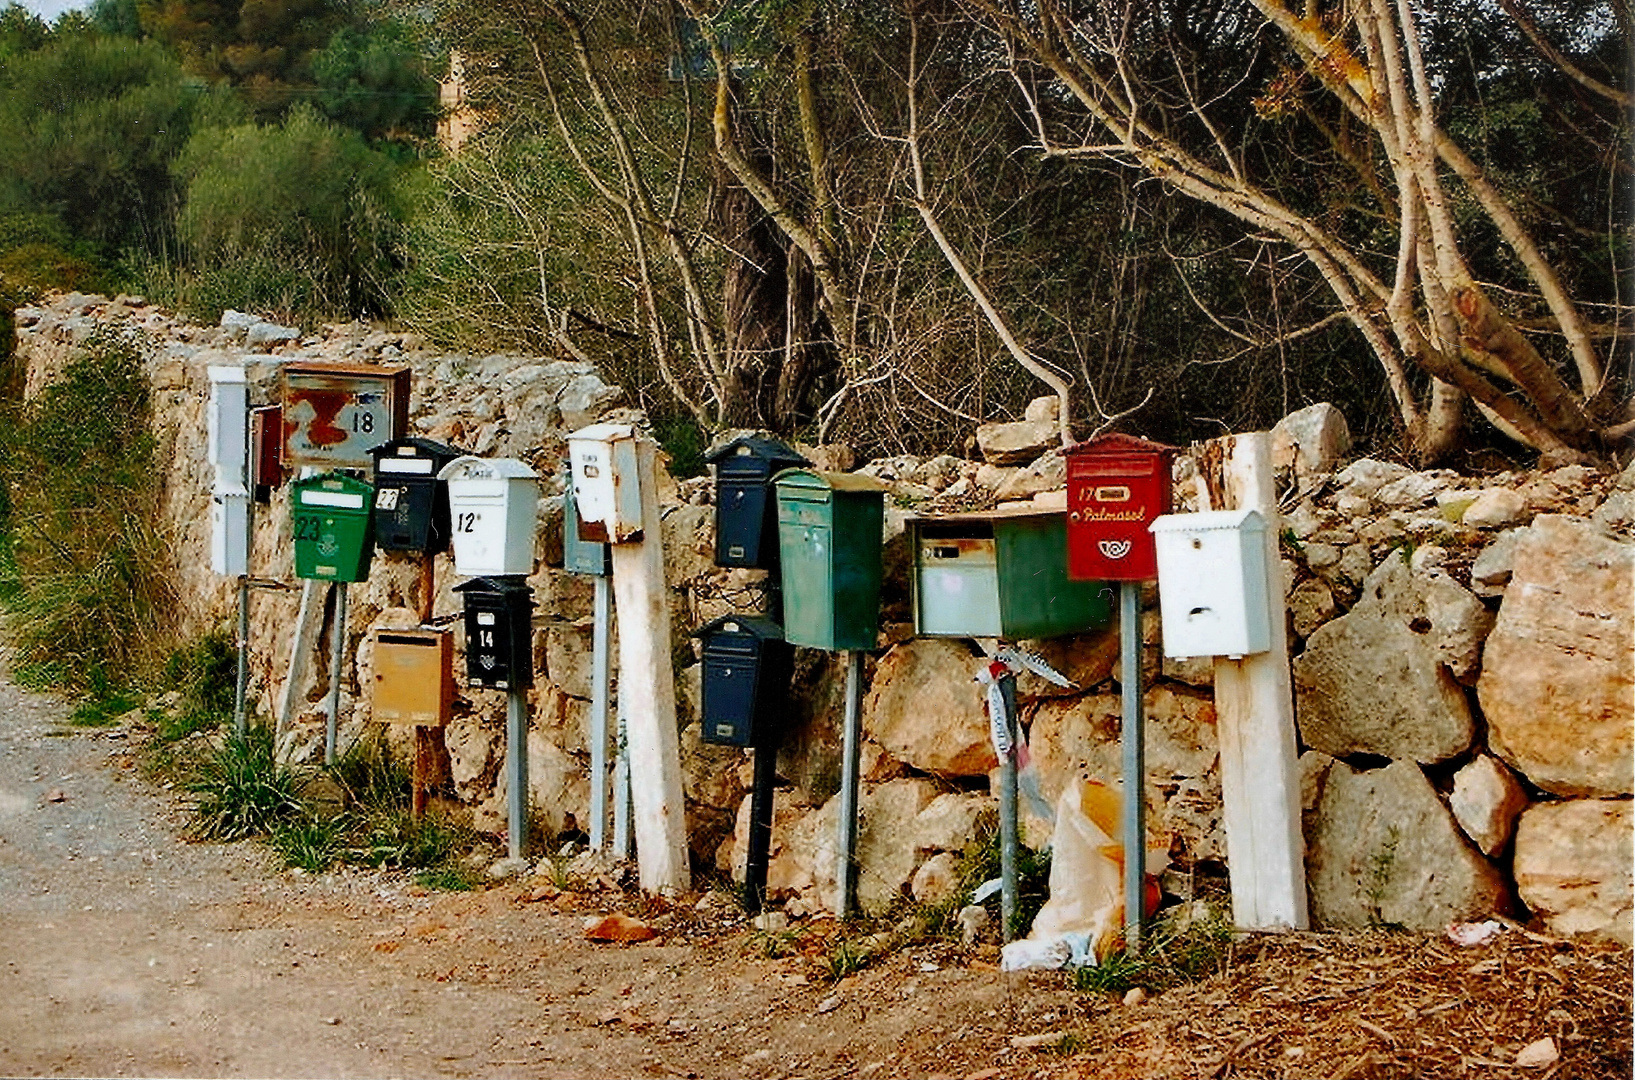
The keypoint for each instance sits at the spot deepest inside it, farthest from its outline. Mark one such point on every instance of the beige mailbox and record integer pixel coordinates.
(1212, 583)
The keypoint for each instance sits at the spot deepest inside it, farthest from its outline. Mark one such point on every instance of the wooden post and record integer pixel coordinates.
(423, 750)
(647, 691)
(1254, 707)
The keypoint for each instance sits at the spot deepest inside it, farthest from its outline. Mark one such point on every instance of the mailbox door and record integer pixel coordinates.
(1037, 597)
(230, 533)
(404, 510)
(414, 677)
(581, 556)
(731, 667)
(742, 536)
(859, 516)
(488, 644)
(1111, 499)
(804, 530)
(331, 528)
(493, 532)
(956, 584)
(266, 445)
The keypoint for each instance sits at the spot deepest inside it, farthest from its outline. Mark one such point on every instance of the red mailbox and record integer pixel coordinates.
(1116, 486)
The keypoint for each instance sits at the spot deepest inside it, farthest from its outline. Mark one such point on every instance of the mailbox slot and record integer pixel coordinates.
(746, 516)
(411, 511)
(1212, 582)
(499, 633)
(747, 670)
(331, 523)
(1117, 485)
(492, 507)
(829, 527)
(606, 483)
(414, 676)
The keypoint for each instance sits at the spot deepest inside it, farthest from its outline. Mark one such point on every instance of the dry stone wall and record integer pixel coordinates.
(1461, 652)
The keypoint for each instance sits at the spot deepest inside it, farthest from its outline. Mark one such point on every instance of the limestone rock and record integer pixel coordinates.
(1374, 682)
(950, 820)
(886, 855)
(568, 655)
(1193, 816)
(1310, 440)
(925, 708)
(1047, 409)
(1485, 801)
(1365, 476)
(558, 787)
(584, 399)
(1047, 473)
(1017, 442)
(937, 879)
(1495, 508)
(1617, 512)
(1573, 866)
(1416, 489)
(1085, 659)
(475, 748)
(1384, 850)
(1192, 670)
(1558, 680)
(1312, 605)
(266, 335)
(1490, 572)
(784, 875)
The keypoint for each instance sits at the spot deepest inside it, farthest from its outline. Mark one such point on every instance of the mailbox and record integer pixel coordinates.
(1212, 580)
(746, 517)
(335, 414)
(411, 504)
(492, 505)
(1000, 574)
(414, 676)
(606, 482)
(748, 667)
(225, 421)
(829, 527)
(230, 532)
(499, 633)
(331, 527)
(1117, 485)
(266, 451)
(581, 556)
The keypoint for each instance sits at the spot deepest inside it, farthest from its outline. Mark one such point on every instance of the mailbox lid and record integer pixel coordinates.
(414, 676)
(332, 527)
(955, 585)
(829, 530)
(1212, 583)
(754, 456)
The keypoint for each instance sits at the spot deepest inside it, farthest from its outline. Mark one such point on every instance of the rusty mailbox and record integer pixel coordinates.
(335, 414)
(414, 676)
(1117, 485)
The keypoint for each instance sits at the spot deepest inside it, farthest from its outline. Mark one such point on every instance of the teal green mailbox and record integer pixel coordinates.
(829, 528)
(331, 518)
(1000, 574)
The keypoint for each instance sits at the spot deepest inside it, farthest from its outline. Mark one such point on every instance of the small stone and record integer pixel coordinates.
(618, 927)
(500, 869)
(1495, 508)
(1365, 476)
(1037, 1042)
(1047, 408)
(771, 922)
(56, 795)
(973, 919)
(937, 878)
(1485, 801)
(1538, 1055)
(828, 1004)
(1312, 605)
(1134, 996)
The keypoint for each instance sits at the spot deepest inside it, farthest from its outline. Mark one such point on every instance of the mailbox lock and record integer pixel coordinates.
(591, 471)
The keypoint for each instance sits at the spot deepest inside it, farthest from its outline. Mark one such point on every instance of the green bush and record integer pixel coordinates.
(205, 672)
(240, 789)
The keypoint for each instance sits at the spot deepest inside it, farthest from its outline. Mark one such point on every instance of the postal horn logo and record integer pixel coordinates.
(1114, 549)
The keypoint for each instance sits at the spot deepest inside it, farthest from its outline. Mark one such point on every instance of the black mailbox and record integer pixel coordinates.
(411, 504)
(499, 632)
(748, 667)
(592, 557)
(746, 511)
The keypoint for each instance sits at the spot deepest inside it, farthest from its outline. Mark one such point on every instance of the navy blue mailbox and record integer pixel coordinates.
(591, 557)
(499, 632)
(411, 504)
(746, 511)
(748, 667)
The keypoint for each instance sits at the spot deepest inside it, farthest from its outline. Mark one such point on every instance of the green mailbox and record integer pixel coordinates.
(829, 527)
(333, 538)
(1000, 574)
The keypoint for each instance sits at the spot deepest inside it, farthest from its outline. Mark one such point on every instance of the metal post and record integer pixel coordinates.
(622, 809)
(846, 847)
(1009, 833)
(516, 769)
(760, 828)
(1134, 767)
(242, 686)
(602, 632)
(337, 656)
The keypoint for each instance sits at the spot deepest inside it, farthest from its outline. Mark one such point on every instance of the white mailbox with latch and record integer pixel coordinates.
(492, 503)
(230, 531)
(606, 483)
(1212, 583)
(226, 423)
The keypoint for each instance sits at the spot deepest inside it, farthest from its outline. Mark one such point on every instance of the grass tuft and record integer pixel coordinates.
(239, 789)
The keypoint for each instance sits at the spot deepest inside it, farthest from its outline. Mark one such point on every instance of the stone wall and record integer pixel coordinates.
(1462, 653)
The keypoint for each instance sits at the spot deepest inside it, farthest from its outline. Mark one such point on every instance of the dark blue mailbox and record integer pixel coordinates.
(411, 504)
(746, 511)
(499, 632)
(748, 667)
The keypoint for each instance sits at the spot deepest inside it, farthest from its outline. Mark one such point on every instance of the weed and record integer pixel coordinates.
(1071, 1043)
(310, 842)
(205, 672)
(240, 789)
(1380, 865)
(449, 877)
(1174, 954)
(980, 861)
(103, 704)
(371, 779)
(843, 957)
(394, 840)
(773, 944)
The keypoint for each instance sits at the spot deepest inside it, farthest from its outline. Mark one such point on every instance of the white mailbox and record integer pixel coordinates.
(1212, 583)
(606, 483)
(491, 512)
(230, 532)
(227, 421)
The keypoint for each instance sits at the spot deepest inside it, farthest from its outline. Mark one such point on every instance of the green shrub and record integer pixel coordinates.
(449, 877)
(311, 842)
(240, 789)
(370, 778)
(394, 840)
(1177, 951)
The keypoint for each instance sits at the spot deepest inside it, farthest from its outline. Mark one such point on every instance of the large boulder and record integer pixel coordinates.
(1558, 680)
(1382, 849)
(1573, 866)
(1017, 442)
(1377, 680)
(887, 855)
(926, 709)
(1310, 440)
